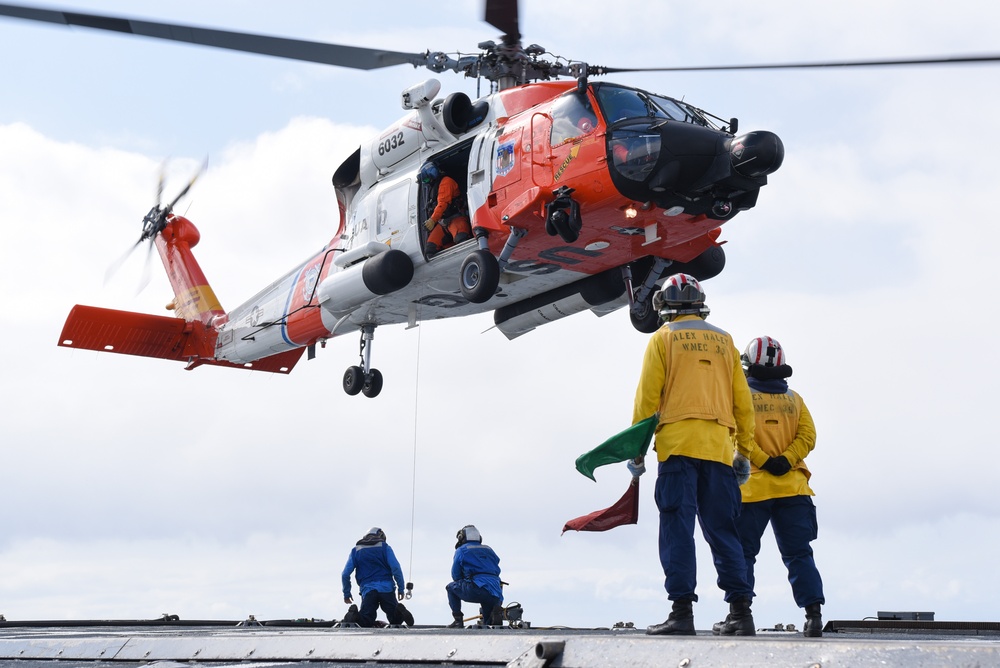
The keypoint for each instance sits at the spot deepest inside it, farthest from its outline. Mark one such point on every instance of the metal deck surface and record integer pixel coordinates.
(116, 646)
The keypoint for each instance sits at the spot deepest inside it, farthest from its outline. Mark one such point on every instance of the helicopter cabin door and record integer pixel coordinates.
(541, 153)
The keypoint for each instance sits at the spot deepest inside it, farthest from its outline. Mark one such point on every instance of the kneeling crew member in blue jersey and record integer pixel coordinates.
(376, 567)
(475, 574)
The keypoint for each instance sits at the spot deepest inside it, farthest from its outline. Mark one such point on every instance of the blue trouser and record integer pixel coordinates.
(793, 522)
(467, 590)
(687, 488)
(370, 603)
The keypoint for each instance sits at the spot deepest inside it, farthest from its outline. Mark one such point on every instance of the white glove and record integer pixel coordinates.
(636, 467)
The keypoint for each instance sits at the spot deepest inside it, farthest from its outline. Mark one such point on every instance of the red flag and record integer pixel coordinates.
(625, 511)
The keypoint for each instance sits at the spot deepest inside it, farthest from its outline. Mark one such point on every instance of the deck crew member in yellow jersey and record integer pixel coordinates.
(778, 490)
(691, 377)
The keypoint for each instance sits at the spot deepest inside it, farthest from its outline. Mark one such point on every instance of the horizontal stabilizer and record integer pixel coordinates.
(129, 333)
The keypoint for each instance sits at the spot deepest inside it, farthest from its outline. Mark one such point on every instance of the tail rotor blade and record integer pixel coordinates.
(144, 280)
(117, 264)
(189, 185)
(152, 224)
(160, 181)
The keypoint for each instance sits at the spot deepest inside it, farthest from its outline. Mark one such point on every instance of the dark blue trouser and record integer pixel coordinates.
(467, 590)
(370, 603)
(687, 488)
(793, 522)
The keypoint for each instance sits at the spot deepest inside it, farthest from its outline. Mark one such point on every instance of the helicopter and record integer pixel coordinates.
(582, 195)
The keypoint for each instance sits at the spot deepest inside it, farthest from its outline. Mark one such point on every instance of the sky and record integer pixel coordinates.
(134, 488)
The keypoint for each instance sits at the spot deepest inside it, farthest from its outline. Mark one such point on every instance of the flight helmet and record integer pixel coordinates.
(429, 173)
(763, 350)
(374, 534)
(681, 294)
(764, 358)
(467, 533)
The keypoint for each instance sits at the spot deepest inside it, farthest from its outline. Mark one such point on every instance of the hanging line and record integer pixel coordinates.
(413, 482)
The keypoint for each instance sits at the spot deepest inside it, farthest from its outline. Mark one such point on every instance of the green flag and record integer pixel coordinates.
(623, 446)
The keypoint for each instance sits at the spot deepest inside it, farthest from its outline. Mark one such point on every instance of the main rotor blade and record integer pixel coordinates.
(295, 49)
(502, 15)
(942, 60)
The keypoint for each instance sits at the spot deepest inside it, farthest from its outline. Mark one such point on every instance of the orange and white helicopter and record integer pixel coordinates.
(581, 195)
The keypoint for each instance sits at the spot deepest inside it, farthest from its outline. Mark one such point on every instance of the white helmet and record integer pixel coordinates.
(765, 356)
(681, 294)
(375, 533)
(764, 350)
(467, 533)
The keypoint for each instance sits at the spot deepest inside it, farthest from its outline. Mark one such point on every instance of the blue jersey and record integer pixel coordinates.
(479, 563)
(376, 567)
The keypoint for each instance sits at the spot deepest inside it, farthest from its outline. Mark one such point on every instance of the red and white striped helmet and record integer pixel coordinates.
(765, 351)
(680, 294)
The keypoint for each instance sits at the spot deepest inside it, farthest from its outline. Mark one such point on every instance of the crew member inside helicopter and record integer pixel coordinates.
(448, 223)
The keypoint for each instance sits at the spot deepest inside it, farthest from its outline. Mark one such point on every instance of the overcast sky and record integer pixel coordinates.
(132, 487)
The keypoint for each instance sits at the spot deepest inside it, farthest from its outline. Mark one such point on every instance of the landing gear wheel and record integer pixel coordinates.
(480, 276)
(644, 317)
(354, 379)
(373, 384)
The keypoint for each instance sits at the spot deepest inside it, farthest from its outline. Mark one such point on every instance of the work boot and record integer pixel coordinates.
(352, 615)
(814, 622)
(405, 614)
(496, 617)
(718, 627)
(680, 622)
(739, 621)
(431, 249)
(459, 622)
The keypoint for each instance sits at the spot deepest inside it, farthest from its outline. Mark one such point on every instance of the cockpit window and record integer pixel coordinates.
(572, 117)
(680, 111)
(619, 104)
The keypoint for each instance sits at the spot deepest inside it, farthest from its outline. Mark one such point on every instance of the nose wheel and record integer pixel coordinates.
(363, 378)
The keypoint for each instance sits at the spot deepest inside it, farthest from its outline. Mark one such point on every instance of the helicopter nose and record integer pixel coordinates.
(757, 153)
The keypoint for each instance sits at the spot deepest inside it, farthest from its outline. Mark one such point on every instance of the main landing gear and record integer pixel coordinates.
(641, 312)
(364, 378)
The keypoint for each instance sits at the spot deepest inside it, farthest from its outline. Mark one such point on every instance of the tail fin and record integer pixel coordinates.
(194, 299)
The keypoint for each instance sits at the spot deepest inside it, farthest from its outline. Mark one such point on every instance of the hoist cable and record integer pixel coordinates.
(413, 482)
